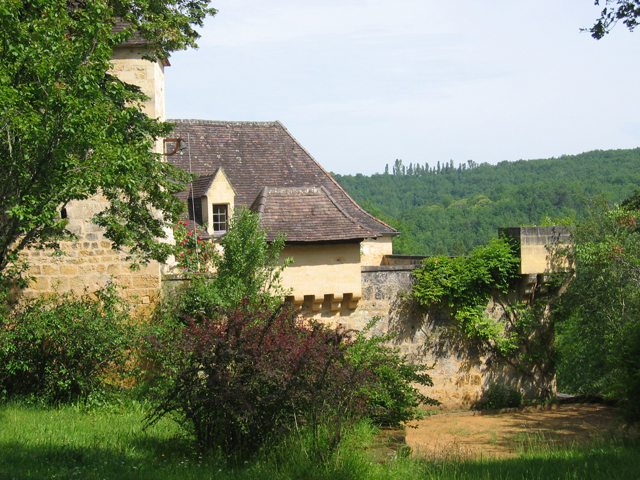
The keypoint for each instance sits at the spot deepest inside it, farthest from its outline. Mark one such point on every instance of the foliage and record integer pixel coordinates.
(451, 211)
(392, 393)
(70, 129)
(522, 335)
(626, 10)
(193, 253)
(598, 317)
(465, 284)
(502, 396)
(249, 376)
(65, 347)
(249, 268)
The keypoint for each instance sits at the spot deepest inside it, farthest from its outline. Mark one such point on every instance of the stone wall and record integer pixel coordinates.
(323, 277)
(534, 243)
(90, 263)
(462, 371)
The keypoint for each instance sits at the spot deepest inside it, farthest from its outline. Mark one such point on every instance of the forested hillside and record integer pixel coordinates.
(448, 210)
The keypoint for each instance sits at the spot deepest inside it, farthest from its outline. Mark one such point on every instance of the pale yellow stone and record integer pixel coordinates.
(146, 281)
(50, 270)
(40, 284)
(373, 250)
(68, 270)
(113, 268)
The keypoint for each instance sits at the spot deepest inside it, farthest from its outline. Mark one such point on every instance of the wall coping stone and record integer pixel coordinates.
(390, 268)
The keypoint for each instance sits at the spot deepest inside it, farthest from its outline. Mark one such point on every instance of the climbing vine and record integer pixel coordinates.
(523, 335)
(465, 285)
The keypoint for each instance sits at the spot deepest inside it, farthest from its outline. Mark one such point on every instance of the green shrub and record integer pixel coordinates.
(65, 347)
(391, 394)
(250, 375)
(250, 268)
(465, 285)
(501, 396)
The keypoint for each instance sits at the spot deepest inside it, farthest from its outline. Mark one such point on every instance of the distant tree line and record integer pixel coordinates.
(418, 170)
(447, 210)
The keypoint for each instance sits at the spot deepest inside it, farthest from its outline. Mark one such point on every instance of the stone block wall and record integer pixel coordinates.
(534, 243)
(461, 370)
(89, 263)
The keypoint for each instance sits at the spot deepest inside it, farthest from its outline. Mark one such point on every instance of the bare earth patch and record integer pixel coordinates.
(472, 434)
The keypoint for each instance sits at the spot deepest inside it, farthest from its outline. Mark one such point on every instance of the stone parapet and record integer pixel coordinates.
(536, 246)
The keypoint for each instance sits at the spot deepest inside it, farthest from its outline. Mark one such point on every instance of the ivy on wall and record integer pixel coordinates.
(465, 285)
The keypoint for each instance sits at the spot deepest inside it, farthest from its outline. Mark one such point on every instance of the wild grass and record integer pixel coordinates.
(109, 443)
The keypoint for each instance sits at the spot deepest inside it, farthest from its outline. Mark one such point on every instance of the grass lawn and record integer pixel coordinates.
(109, 443)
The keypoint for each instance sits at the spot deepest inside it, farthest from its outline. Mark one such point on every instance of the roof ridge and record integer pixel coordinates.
(266, 190)
(195, 121)
(260, 201)
(343, 211)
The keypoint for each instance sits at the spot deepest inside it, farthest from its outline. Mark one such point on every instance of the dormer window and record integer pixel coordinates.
(220, 219)
(217, 197)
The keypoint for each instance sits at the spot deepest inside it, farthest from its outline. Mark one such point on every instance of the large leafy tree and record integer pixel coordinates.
(598, 318)
(70, 130)
(614, 11)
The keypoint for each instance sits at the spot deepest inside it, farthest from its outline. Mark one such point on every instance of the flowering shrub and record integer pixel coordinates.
(193, 253)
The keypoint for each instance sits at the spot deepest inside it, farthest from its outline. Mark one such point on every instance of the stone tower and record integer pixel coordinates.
(90, 263)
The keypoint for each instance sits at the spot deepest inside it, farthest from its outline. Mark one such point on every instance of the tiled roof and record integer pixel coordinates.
(258, 154)
(306, 214)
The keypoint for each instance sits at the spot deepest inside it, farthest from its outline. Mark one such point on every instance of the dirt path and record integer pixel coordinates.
(506, 434)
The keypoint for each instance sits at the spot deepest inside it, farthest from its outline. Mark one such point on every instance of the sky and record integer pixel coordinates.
(361, 83)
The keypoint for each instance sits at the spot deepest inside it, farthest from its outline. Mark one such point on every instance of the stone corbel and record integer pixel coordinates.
(297, 300)
(313, 303)
(350, 301)
(333, 301)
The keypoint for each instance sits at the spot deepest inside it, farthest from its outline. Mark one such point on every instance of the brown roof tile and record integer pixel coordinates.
(258, 154)
(306, 214)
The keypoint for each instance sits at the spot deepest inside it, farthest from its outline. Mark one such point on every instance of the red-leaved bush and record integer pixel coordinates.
(251, 375)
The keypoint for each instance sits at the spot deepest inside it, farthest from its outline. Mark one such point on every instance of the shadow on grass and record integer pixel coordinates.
(146, 458)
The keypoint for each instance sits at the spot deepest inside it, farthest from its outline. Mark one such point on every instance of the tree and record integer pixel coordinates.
(598, 317)
(614, 11)
(71, 130)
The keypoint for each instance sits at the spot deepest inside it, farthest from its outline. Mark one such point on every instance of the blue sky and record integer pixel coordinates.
(362, 82)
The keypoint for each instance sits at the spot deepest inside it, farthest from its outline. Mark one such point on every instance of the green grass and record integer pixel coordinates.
(109, 443)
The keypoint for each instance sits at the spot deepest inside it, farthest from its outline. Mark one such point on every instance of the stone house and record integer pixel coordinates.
(257, 165)
(90, 263)
(261, 166)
